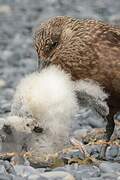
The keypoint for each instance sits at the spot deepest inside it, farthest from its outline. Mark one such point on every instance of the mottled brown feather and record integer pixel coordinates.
(85, 49)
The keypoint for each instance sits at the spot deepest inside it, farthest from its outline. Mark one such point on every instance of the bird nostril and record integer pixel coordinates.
(7, 129)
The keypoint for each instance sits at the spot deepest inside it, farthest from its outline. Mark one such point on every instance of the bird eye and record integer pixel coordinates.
(54, 44)
(7, 129)
(50, 46)
(38, 129)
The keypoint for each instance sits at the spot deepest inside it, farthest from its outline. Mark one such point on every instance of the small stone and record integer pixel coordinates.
(24, 171)
(80, 171)
(37, 177)
(112, 152)
(2, 170)
(5, 107)
(14, 177)
(109, 176)
(58, 175)
(5, 9)
(108, 167)
(2, 83)
(9, 168)
(93, 150)
(6, 54)
(80, 133)
(19, 160)
(2, 121)
(8, 93)
(4, 177)
(88, 171)
(91, 178)
(117, 116)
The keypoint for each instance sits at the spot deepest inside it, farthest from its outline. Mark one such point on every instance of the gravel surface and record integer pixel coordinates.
(17, 58)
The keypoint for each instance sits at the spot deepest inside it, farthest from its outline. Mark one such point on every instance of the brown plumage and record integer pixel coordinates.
(85, 49)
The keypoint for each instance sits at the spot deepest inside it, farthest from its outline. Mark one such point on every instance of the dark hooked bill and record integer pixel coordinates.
(42, 64)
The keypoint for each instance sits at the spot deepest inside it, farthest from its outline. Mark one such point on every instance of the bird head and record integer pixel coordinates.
(48, 38)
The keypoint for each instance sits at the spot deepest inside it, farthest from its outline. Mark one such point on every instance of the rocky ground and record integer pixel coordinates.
(17, 58)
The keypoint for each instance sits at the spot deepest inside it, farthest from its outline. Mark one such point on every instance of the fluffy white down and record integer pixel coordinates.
(48, 97)
(91, 88)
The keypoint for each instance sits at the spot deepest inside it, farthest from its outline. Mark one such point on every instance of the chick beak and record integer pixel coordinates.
(42, 64)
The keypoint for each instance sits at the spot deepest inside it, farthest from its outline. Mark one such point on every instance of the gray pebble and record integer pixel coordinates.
(110, 167)
(58, 175)
(112, 152)
(110, 176)
(2, 170)
(13, 177)
(36, 177)
(9, 168)
(92, 178)
(81, 170)
(24, 171)
(3, 177)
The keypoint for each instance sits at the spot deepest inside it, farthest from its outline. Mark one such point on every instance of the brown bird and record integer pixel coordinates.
(85, 49)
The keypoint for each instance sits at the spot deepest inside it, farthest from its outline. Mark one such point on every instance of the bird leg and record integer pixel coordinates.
(109, 131)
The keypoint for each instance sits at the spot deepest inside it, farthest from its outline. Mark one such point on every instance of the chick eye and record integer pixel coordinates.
(7, 129)
(38, 129)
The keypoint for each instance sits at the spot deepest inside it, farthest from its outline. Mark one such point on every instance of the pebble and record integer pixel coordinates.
(2, 83)
(5, 9)
(24, 171)
(110, 176)
(110, 167)
(37, 177)
(58, 175)
(112, 152)
(4, 177)
(2, 170)
(81, 171)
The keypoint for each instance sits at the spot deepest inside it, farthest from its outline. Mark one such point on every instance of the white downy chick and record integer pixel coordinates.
(45, 104)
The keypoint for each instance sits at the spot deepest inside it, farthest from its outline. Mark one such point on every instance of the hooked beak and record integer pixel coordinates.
(42, 64)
